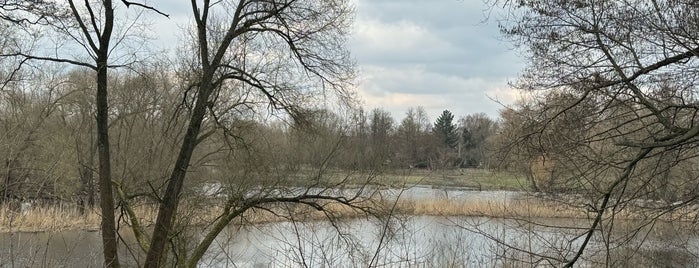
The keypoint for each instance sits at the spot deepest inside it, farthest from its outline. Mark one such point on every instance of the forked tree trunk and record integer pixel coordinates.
(170, 200)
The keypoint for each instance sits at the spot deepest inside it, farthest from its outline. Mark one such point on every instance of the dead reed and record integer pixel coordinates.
(64, 217)
(46, 218)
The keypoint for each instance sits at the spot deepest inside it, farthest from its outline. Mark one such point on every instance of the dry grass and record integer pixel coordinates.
(43, 218)
(531, 208)
(301, 213)
(527, 208)
(57, 217)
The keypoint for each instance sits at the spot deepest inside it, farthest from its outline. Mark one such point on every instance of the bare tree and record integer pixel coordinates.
(475, 130)
(414, 139)
(272, 49)
(380, 132)
(90, 27)
(282, 56)
(618, 107)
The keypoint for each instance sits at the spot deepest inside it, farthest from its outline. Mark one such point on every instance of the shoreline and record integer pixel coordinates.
(54, 218)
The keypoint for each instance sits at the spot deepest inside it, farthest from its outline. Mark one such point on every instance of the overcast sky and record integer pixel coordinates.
(439, 54)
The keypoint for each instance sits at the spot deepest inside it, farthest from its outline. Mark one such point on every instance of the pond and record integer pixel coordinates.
(428, 241)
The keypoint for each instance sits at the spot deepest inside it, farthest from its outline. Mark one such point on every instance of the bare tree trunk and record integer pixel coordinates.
(86, 200)
(82, 196)
(168, 206)
(169, 203)
(86, 162)
(108, 224)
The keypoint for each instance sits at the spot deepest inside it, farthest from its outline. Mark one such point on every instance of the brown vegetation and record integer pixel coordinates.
(47, 218)
(58, 217)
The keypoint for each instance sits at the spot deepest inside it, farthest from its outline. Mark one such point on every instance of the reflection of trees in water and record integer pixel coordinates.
(657, 257)
(405, 241)
(459, 242)
(551, 242)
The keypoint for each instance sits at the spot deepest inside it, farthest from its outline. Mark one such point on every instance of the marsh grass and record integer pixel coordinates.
(536, 208)
(67, 217)
(525, 208)
(46, 218)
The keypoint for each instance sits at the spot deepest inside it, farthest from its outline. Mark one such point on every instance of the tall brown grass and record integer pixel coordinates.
(64, 217)
(45, 218)
(530, 208)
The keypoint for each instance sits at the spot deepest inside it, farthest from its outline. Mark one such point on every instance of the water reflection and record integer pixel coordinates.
(441, 242)
(424, 241)
(57, 249)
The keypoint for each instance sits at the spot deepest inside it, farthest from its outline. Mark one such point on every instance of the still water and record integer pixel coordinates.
(411, 242)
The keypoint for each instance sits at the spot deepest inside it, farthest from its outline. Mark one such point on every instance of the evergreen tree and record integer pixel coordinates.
(445, 130)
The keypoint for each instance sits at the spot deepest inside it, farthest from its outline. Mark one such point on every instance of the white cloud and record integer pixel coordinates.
(396, 88)
(414, 79)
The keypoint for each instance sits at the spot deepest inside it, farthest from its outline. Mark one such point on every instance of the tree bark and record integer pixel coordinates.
(169, 203)
(108, 224)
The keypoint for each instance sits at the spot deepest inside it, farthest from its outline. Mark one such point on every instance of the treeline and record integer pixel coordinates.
(49, 146)
(417, 142)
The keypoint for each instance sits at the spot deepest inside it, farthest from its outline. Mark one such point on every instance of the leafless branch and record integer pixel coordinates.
(129, 3)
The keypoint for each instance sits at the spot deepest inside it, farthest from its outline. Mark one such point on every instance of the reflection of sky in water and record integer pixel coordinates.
(424, 241)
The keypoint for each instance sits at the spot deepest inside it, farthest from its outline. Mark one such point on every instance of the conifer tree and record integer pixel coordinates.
(445, 130)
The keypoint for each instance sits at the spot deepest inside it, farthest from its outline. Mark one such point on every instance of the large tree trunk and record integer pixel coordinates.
(108, 225)
(168, 206)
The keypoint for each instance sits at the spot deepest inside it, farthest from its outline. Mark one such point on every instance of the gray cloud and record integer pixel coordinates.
(441, 54)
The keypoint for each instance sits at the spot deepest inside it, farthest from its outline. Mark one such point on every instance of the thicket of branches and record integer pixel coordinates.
(612, 116)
